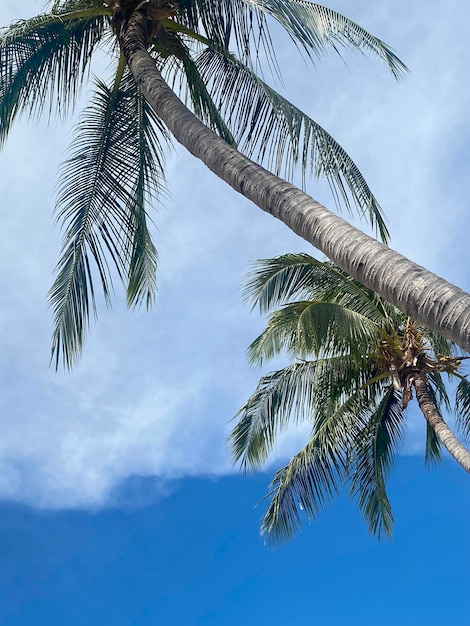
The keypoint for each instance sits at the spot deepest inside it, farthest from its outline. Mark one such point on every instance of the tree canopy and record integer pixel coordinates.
(209, 53)
(356, 363)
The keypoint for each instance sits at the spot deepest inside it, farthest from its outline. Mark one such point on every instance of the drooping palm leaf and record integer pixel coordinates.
(462, 406)
(148, 147)
(276, 281)
(314, 475)
(280, 397)
(200, 99)
(271, 129)
(312, 478)
(440, 345)
(432, 450)
(115, 165)
(438, 391)
(314, 27)
(309, 390)
(43, 61)
(313, 327)
(372, 458)
(228, 23)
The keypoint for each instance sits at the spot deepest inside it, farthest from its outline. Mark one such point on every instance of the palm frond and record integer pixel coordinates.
(314, 327)
(115, 165)
(60, 7)
(274, 282)
(310, 390)
(200, 99)
(310, 480)
(314, 28)
(371, 460)
(149, 150)
(279, 397)
(440, 345)
(43, 62)
(269, 128)
(230, 23)
(433, 450)
(314, 475)
(462, 407)
(438, 391)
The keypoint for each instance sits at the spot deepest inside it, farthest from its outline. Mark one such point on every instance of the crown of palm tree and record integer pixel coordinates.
(207, 51)
(356, 362)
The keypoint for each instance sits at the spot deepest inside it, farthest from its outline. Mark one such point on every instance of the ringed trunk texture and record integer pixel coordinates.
(422, 295)
(442, 430)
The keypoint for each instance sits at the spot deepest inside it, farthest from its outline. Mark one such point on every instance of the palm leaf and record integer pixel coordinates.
(42, 64)
(200, 99)
(148, 148)
(278, 280)
(433, 450)
(371, 460)
(312, 328)
(309, 390)
(314, 27)
(438, 391)
(462, 407)
(312, 478)
(271, 129)
(228, 23)
(280, 396)
(115, 159)
(314, 475)
(440, 345)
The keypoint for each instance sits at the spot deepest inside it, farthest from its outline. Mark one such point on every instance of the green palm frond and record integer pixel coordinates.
(433, 450)
(310, 480)
(440, 345)
(314, 28)
(306, 391)
(60, 7)
(438, 391)
(200, 99)
(343, 377)
(149, 184)
(315, 327)
(43, 62)
(371, 460)
(275, 281)
(462, 407)
(281, 396)
(230, 23)
(271, 129)
(115, 165)
(314, 475)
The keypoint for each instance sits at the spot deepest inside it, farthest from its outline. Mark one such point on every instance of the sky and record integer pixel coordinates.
(117, 495)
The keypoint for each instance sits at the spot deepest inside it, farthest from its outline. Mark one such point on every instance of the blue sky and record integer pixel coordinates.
(196, 559)
(97, 466)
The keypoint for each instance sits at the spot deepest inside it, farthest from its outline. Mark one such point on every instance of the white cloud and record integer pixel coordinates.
(154, 392)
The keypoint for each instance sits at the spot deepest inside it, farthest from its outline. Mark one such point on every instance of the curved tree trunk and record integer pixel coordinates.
(440, 427)
(425, 297)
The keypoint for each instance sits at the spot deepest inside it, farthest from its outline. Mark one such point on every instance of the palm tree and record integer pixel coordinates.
(357, 361)
(116, 163)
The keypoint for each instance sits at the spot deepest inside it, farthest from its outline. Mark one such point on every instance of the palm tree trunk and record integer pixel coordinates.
(440, 427)
(425, 297)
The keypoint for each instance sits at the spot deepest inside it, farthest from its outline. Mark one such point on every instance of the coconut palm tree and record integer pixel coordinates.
(116, 162)
(357, 362)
